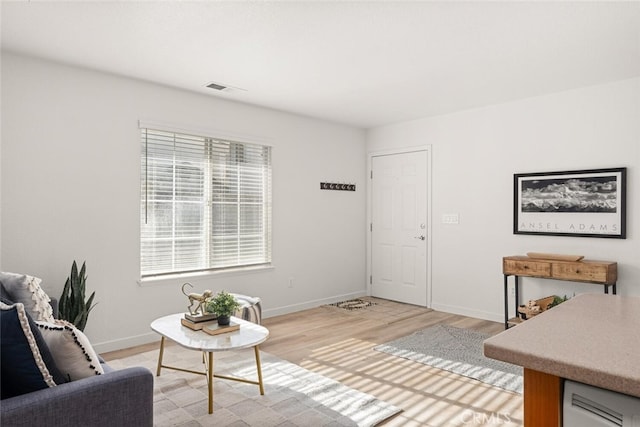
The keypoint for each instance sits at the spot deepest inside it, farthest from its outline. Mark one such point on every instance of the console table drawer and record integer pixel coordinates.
(527, 268)
(598, 273)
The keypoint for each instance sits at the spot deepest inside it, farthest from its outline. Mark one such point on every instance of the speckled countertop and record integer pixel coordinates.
(592, 338)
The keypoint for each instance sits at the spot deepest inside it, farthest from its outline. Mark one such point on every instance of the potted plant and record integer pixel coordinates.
(73, 306)
(223, 305)
(557, 300)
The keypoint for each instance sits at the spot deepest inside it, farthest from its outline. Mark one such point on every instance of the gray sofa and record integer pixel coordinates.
(116, 398)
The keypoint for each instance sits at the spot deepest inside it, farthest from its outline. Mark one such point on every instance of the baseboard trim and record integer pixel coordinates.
(464, 311)
(150, 337)
(286, 309)
(126, 342)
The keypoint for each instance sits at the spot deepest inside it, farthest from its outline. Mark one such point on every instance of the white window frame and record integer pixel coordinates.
(264, 206)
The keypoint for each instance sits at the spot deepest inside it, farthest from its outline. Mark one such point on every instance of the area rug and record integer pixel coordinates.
(456, 350)
(294, 396)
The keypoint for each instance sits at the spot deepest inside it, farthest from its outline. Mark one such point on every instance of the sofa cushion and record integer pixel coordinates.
(27, 364)
(71, 350)
(27, 290)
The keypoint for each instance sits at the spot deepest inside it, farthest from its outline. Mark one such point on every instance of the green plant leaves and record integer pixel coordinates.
(223, 304)
(73, 306)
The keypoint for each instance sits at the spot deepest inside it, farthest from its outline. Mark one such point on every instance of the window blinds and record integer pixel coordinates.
(205, 203)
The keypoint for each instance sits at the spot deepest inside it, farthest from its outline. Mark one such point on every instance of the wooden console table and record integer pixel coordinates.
(597, 272)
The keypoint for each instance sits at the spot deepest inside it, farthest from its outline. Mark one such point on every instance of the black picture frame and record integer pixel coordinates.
(580, 203)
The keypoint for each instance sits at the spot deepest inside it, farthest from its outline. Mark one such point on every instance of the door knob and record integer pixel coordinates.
(419, 237)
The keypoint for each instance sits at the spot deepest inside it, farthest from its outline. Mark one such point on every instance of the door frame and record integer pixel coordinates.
(370, 156)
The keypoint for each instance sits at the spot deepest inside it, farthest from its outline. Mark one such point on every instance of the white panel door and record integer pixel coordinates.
(399, 227)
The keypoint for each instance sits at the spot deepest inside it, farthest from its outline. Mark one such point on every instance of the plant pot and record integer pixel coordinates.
(224, 320)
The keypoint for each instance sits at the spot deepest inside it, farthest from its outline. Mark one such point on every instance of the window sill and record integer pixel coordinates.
(158, 280)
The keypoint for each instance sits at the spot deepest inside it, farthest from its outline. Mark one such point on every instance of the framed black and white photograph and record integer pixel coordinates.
(585, 203)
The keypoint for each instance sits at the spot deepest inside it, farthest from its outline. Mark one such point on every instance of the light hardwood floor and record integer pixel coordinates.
(339, 343)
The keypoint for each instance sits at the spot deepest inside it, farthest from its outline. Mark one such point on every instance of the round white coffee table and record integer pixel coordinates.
(249, 335)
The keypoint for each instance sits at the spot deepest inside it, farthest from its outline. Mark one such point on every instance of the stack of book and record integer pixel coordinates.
(207, 323)
(215, 329)
(197, 321)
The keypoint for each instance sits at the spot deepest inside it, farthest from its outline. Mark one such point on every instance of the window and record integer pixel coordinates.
(205, 204)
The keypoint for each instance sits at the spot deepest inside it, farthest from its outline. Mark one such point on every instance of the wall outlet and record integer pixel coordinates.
(290, 283)
(513, 291)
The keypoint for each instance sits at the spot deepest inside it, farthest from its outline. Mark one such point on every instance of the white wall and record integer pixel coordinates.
(69, 132)
(70, 186)
(475, 154)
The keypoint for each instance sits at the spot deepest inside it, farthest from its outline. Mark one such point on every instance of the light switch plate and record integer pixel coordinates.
(452, 218)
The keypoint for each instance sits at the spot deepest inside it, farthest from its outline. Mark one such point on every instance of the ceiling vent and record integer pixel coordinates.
(216, 86)
(224, 88)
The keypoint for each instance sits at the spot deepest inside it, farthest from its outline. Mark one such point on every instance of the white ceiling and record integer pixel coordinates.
(365, 64)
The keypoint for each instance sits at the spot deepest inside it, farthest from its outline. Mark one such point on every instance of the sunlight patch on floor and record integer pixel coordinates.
(436, 397)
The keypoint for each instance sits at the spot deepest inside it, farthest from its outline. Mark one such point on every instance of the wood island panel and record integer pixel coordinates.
(543, 403)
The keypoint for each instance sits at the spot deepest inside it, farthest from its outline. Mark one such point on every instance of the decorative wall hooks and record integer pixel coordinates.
(337, 186)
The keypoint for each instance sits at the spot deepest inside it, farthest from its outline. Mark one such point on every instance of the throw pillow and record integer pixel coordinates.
(250, 308)
(71, 350)
(26, 289)
(4, 295)
(27, 364)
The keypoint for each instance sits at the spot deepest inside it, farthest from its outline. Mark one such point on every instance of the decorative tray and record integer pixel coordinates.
(557, 257)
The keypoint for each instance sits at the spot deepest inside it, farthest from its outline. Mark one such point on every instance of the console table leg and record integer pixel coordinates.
(517, 294)
(506, 302)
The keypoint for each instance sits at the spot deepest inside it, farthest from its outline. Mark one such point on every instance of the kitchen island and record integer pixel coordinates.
(592, 339)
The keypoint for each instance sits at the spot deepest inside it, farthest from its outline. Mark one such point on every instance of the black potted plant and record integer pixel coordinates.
(223, 305)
